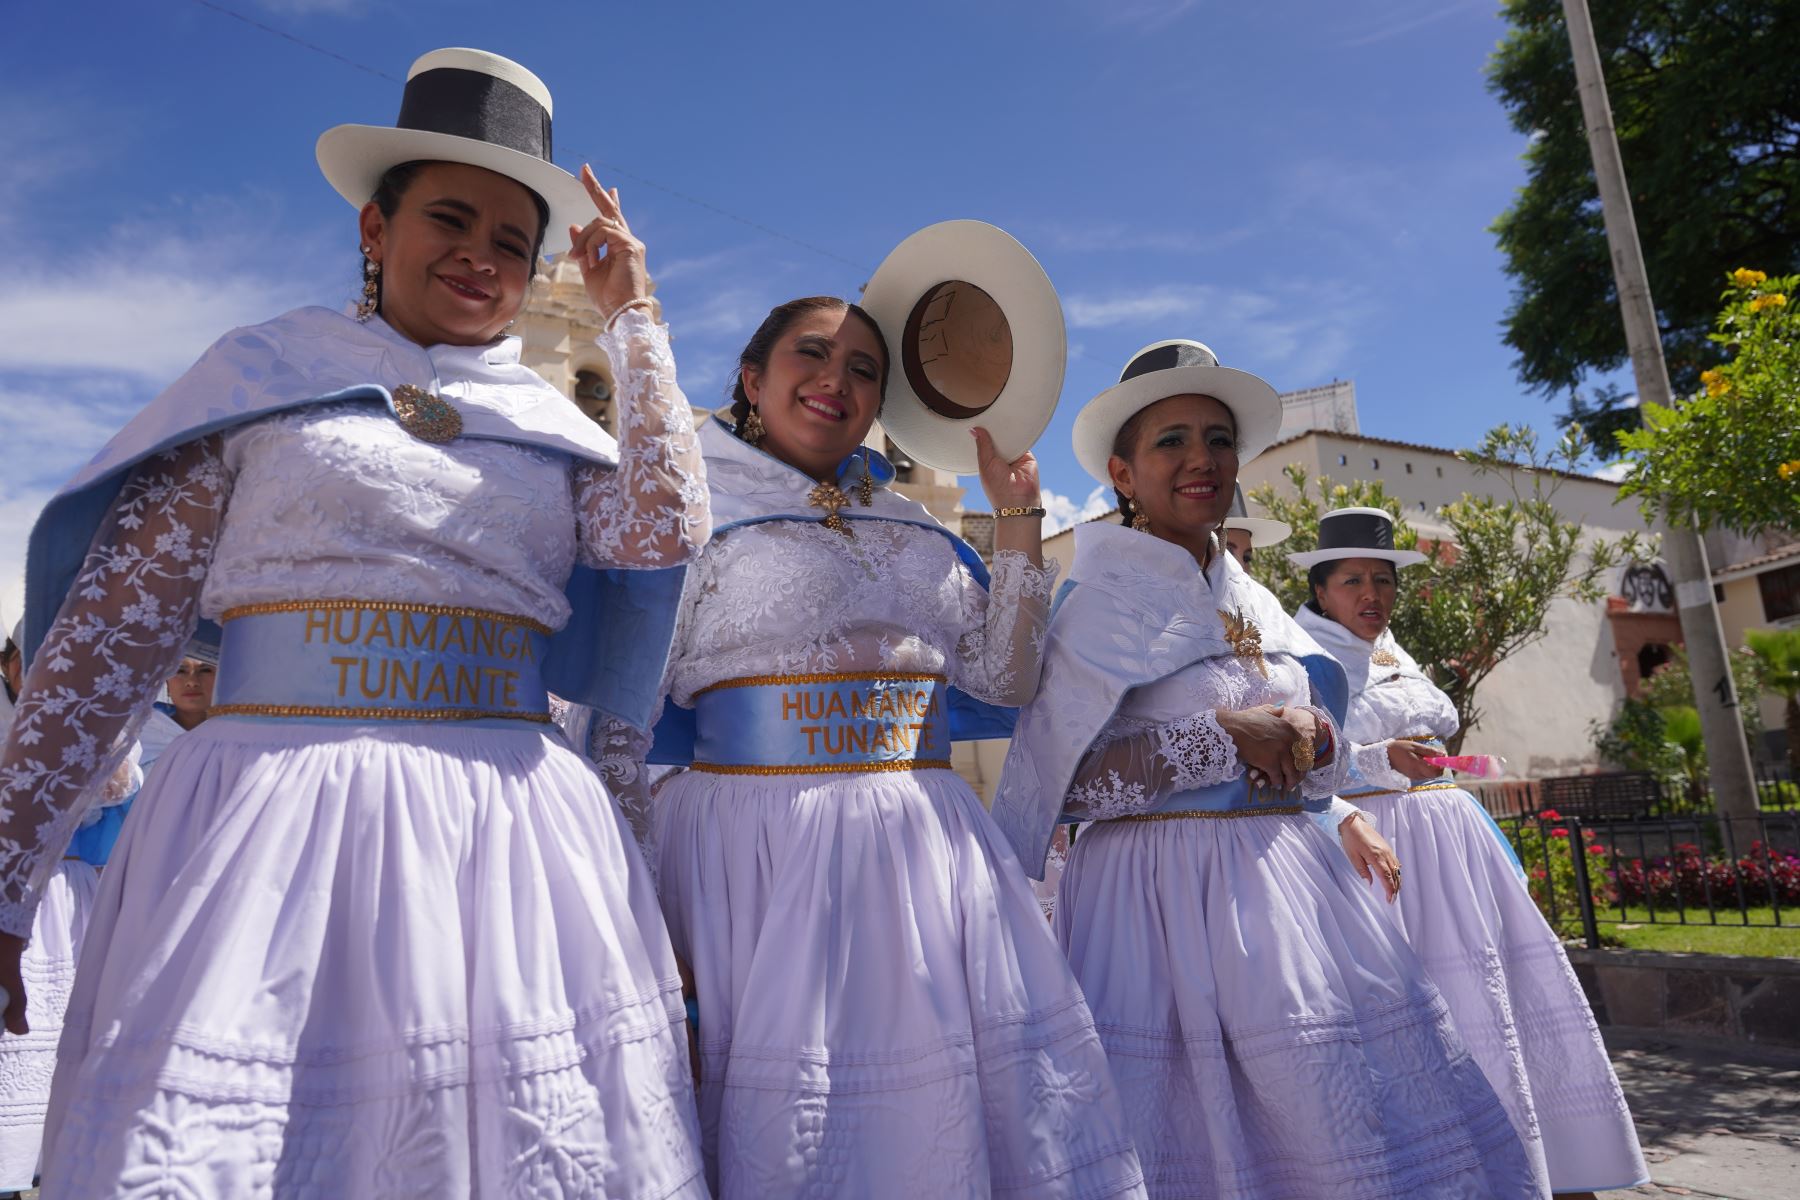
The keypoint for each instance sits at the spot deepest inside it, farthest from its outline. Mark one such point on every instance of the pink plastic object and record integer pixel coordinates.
(1481, 766)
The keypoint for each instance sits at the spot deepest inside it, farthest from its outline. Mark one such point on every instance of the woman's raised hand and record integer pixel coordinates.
(1007, 484)
(611, 259)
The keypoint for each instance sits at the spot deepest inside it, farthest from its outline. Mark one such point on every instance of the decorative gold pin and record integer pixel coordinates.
(1384, 658)
(427, 417)
(831, 498)
(1245, 639)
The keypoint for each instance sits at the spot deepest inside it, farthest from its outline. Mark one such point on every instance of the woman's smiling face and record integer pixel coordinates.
(820, 390)
(1182, 468)
(456, 255)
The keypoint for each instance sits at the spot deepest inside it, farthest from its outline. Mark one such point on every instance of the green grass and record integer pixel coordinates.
(1761, 939)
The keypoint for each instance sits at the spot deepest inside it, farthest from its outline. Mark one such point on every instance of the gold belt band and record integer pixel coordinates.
(914, 764)
(1441, 785)
(823, 677)
(1279, 810)
(400, 606)
(372, 714)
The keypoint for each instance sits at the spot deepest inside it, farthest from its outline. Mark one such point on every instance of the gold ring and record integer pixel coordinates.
(1303, 755)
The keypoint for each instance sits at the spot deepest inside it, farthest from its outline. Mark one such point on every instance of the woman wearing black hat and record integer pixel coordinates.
(1271, 1034)
(1465, 909)
(373, 929)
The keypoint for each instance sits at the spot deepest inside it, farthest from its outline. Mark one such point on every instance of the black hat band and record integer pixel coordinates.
(1167, 358)
(1356, 531)
(478, 106)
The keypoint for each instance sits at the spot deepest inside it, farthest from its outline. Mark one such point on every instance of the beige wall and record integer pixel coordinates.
(1739, 612)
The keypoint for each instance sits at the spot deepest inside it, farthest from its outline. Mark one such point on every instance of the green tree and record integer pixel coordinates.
(1706, 101)
(1485, 590)
(1777, 651)
(1730, 453)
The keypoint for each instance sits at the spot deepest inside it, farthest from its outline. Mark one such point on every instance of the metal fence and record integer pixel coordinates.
(1627, 795)
(1699, 869)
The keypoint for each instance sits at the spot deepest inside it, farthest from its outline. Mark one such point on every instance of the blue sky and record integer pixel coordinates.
(1304, 185)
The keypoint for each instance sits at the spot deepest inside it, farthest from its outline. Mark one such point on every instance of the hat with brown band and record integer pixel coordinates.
(975, 337)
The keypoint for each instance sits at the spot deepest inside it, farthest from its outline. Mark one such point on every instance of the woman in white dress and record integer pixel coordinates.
(1271, 1034)
(881, 1009)
(1466, 911)
(374, 929)
(48, 965)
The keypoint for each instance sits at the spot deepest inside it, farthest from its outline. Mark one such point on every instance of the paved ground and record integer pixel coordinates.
(1716, 1119)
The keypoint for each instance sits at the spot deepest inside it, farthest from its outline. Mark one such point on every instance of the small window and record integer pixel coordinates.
(1343, 460)
(1374, 464)
(1421, 506)
(1780, 593)
(1718, 593)
(1409, 468)
(1440, 472)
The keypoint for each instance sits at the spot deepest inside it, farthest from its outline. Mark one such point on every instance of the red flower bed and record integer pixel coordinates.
(1687, 877)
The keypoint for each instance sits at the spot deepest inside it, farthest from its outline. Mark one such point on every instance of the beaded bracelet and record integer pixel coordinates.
(644, 302)
(1019, 512)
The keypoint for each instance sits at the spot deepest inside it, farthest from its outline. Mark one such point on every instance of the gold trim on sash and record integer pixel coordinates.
(1281, 810)
(440, 610)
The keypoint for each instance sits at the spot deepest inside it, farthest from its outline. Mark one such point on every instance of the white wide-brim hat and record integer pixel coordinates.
(1356, 533)
(1262, 530)
(1177, 367)
(463, 106)
(975, 337)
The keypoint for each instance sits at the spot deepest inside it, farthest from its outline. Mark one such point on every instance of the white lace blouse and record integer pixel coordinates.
(789, 597)
(328, 501)
(1394, 707)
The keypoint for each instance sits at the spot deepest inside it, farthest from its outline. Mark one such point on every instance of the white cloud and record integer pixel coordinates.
(1063, 511)
(1297, 333)
(1404, 23)
(1613, 472)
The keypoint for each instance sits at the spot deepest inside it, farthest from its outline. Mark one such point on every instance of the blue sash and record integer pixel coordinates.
(808, 724)
(371, 660)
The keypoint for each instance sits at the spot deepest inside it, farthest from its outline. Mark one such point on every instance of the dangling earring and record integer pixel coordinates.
(865, 491)
(1139, 521)
(371, 297)
(753, 428)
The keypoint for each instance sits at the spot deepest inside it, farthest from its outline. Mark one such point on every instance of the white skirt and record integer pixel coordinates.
(406, 960)
(27, 1063)
(1272, 1036)
(1510, 988)
(883, 1012)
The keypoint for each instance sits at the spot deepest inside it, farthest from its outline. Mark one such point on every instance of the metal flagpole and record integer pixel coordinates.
(1727, 756)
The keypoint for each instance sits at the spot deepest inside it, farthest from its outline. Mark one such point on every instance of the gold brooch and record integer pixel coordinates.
(830, 497)
(1384, 658)
(1245, 639)
(427, 417)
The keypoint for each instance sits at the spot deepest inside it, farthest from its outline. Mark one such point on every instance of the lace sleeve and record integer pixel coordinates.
(651, 510)
(1000, 659)
(119, 635)
(1135, 764)
(1371, 764)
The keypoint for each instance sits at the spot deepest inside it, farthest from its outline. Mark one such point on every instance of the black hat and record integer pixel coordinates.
(1356, 533)
(463, 106)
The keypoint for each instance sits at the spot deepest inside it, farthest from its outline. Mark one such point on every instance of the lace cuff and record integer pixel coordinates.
(1000, 660)
(1199, 750)
(1371, 763)
(1333, 817)
(651, 510)
(120, 633)
(619, 750)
